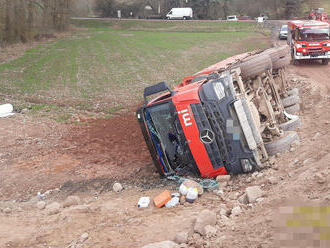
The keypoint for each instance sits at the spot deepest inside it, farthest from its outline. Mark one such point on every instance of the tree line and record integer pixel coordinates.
(24, 20)
(209, 9)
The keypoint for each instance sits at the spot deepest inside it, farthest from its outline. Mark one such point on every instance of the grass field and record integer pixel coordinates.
(105, 66)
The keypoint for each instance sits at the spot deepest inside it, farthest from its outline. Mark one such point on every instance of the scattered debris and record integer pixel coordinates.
(84, 237)
(223, 180)
(161, 199)
(236, 211)
(117, 187)
(173, 202)
(41, 205)
(192, 195)
(7, 210)
(162, 244)
(206, 217)
(181, 237)
(53, 208)
(71, 201)
(6, 110)
(143, 202)
(210, 231)
(192, 184)
(253, 193)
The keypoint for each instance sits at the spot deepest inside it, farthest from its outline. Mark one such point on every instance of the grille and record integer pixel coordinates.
(207, 117)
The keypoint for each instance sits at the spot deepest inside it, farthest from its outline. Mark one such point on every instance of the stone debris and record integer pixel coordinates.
(253, 193)
(162, 244)
(53, 208)
(210, 231)
(236, 211)
(41, 205)
(7, 210)
(243, 199)
(117, 187)
(181, 237)
(71, 200)
(84, 237)
(223, 180)
(205, 217)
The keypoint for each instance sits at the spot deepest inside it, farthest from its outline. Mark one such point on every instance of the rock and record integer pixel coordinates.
(192, 184)
(272, 180)
(182, 199)
(292, 149)
(253, 193)
(162, 244)
(53, 208)
(236, 211)
(41, 205)
(223, 180)
(316, 136)
(181, 237)
(272, 160)
(210, 231)
(320, 178)
(117, 187)
(84, 237)
(80, 209)
(204, 218)
(243, 199)
(7, 210)
(71, 200)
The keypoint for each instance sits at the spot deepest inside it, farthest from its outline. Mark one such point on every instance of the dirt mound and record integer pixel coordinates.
(116, 144)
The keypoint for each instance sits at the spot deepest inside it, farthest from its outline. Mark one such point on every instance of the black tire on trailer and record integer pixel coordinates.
(255, 66)
(290, 100)
(282, 144)
(294, 91)
(294, 109)
(291, 125)
(281, 63)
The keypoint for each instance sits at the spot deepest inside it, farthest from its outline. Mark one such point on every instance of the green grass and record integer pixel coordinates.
(110, 63)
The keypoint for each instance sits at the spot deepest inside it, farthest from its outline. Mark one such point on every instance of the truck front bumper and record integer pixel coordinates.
(301, 56)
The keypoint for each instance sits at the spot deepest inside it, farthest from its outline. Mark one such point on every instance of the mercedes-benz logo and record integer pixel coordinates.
(207, 136)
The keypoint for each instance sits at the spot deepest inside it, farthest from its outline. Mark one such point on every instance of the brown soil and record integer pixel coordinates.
(85, 159)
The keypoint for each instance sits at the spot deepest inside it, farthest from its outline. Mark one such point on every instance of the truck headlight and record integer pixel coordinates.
(328, 44)
(219, 90)
(298, 46)
(299, 54)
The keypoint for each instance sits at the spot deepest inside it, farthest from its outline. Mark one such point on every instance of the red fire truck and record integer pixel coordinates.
(318, 15)
(309, 40)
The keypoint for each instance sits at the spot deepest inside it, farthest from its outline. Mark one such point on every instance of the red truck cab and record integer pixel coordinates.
(195, 128)
(309, 40)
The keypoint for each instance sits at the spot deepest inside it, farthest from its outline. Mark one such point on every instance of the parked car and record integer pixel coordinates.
(244, 18)
(283, 32)
(232, 18)
(180, 14)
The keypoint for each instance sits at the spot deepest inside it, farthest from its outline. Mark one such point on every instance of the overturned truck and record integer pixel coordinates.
(227, 119)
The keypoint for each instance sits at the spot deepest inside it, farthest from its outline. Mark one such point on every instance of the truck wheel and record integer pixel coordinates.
(281, 63)
(184, 18)
(325, 61)
(290, 100)
(282, 144)
(255, 66)
(295, 62)
(294, 91)
(294, 109)
(291, 125)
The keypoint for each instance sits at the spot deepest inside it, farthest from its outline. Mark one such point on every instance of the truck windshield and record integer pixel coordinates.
(161, 122)
(310, 34)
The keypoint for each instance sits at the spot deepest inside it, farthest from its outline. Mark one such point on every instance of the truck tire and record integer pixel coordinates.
(281, 62)
(294, 109)
(282, 144)
(290, 100)
(294, 91)
(325, 61)
(291, 125)
(255, 66)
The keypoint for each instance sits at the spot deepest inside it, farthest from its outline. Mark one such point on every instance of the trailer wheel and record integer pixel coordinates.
(291, 125)
(325, 61)
(290, 100)
(294, 109)
(282, 144)
(281, 63)
(255, 66)
(295, 62)
(294, 91)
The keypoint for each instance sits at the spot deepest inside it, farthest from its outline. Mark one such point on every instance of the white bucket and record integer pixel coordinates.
(6, 110)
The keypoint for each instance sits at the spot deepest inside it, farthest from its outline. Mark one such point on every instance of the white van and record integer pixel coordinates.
(232, 18)
(180, 14)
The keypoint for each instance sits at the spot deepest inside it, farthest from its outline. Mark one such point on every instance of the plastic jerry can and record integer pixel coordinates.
(143, 202)
(161, 199)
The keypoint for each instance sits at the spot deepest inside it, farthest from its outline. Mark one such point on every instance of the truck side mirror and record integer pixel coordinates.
(154, 89)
